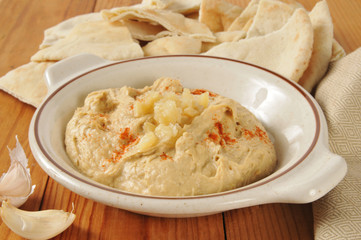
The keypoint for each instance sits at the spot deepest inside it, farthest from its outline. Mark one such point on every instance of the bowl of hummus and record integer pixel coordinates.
(182, 135)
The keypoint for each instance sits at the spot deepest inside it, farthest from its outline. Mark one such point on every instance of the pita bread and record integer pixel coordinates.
(247, 15)
(218, 15)
(222, 37)
(173, 45)
(271, 15)
(145, 31)
(110, 41)
(179, 6)
(173, 22)
(61, 30)
(230, 36)
(292, 3)
(337, 51)
(322, 45)
(27, 82)
(248, 25)
(158, 4)
(286, 51)
(246, 18)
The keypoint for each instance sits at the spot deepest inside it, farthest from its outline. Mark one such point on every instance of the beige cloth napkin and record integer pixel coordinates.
(338, 214)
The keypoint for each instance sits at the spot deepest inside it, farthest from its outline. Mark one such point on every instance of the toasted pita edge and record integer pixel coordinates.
(27, 82)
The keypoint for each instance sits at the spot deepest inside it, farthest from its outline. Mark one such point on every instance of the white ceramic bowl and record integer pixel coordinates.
(306, 170)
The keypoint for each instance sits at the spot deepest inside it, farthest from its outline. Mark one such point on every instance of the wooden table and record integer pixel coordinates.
(21, 32)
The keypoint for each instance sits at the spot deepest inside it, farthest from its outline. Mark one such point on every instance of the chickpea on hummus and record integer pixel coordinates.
(166, 140)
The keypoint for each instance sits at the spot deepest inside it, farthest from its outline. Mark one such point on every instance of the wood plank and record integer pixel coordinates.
(97, 221)
(18, 112)
(22, 32)
(270, 221)
(23, 23)
(346, 21)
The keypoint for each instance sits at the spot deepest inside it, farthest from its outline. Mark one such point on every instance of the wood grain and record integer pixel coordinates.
(24, 22)
(93, 217)
(271, 221)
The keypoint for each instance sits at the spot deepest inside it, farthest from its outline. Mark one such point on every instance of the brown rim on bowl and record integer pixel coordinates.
(250, 186)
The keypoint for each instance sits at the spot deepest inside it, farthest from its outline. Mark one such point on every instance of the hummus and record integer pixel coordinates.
(167, 140)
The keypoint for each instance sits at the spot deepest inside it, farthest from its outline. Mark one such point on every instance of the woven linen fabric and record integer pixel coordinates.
(338, 214)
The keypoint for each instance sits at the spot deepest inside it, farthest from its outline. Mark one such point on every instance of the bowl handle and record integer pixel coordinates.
(312, 179)
(68, 68)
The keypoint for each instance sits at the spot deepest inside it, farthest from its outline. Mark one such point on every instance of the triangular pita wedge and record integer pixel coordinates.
(179, 6)
(173, 45)
(271, 15)
(222, 37)
(244, 20)
(218, 15)
(110, 41)
(61, 30)
(286, 51)
(173, 22)
(337, 51)
(27, 82)
(322, 45)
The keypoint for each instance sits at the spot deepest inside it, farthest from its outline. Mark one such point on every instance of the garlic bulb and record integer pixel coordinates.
(35, 225)
(15, 184)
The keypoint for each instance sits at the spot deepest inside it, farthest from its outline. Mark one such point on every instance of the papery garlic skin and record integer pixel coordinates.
(15, 184)
(35, 225)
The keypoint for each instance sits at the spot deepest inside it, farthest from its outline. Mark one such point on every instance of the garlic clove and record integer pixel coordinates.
(17, 201)
(35, 225)
(15, 184)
